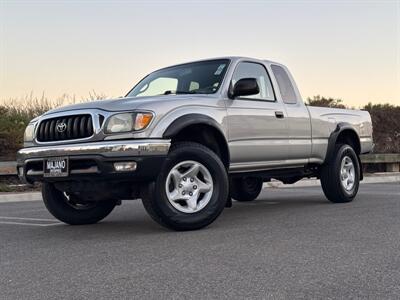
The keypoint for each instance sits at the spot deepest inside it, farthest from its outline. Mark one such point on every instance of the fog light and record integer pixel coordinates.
(125, 166)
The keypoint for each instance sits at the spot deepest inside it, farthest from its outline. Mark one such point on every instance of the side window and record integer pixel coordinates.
(285, 85)
(257, 71)
(159, 86)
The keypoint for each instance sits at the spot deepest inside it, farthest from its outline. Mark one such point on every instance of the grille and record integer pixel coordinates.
(65, 128)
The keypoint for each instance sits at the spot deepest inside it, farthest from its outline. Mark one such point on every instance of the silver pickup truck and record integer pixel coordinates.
(189, 138)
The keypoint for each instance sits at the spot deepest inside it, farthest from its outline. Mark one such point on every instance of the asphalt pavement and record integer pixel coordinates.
(291, 243)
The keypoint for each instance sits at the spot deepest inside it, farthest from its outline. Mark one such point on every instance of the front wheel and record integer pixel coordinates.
(191, 190)
(71, 210)
(340, 178)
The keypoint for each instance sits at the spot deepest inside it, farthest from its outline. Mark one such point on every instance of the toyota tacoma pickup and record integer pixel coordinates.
(187, 139)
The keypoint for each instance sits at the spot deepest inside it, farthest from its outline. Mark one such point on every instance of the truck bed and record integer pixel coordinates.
(324, 121)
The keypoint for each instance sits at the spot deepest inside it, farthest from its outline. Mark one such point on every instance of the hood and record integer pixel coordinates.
(126, 104)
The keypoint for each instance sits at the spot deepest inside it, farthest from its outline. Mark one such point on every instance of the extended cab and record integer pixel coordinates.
(189, 138)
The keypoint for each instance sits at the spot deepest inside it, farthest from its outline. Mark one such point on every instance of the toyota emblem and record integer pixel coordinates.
(61, 127)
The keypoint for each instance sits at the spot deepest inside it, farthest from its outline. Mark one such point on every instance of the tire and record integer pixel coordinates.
(244, 189)
(331, 179)
(69, 211)
(167, 200)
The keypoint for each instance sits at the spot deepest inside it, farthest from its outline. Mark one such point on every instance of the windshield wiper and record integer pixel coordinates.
(169, 92)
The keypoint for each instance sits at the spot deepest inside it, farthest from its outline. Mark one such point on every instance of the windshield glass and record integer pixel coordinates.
(203, 77)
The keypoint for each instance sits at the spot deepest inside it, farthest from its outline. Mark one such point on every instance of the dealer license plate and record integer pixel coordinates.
(56, 167)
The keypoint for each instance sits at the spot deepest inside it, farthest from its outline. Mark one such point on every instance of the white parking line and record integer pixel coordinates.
(30, 224)
(19, 221)
(29, 211)
(28, 219)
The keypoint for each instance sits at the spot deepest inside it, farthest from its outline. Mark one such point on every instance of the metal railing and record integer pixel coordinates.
(390, 160)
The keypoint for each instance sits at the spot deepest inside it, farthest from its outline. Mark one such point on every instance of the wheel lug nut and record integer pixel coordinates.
(183, 193)
(180, 185)
(190, 194)
(191, 179)
(184, 178)
(195, 187)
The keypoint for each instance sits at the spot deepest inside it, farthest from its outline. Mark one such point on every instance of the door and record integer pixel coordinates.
(299, 126)
(257, 124)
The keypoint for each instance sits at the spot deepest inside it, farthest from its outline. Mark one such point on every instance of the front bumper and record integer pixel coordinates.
(95, 160)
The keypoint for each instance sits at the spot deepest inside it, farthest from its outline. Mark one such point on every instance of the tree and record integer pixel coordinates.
(325, 102)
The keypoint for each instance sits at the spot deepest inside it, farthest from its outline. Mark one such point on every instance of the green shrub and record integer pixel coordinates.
(12, 126)
(386, 127)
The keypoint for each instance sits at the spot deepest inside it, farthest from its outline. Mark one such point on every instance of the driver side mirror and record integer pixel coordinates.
(245, 87)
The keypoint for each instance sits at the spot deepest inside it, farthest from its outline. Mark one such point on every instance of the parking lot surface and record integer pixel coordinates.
(289, 243)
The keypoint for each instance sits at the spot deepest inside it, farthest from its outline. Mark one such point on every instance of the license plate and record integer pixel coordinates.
(56, 167)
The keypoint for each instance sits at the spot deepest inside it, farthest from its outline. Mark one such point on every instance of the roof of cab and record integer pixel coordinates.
(242, 58)
(235, 58)
(232, 58)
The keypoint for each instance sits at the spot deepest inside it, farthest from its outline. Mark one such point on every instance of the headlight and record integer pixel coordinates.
(29, 133)
(128, 122)
(120, 123)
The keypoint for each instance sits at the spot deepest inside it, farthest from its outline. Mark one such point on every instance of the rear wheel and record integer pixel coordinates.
(340, 178)
(191, 190)
(245, 189)
(72, 210)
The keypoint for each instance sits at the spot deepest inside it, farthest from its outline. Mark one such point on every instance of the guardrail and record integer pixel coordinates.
(8, 168)
(390, 160)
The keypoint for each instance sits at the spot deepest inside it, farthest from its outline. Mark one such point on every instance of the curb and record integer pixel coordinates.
(20, 197)
(8, 168)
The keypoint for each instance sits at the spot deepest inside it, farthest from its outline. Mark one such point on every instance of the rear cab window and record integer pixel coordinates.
(285, 85)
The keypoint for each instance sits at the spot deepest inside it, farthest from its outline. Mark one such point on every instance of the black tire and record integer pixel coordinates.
(244, 189)
(331, 176)
(155, 199)
(74, 214)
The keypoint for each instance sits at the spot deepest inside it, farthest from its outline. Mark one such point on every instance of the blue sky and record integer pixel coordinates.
(345, 49)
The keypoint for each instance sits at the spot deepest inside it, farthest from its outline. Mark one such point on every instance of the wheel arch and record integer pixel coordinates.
(202, 129)
(346, 134)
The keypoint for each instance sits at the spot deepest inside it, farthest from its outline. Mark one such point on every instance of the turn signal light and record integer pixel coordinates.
(142, 120)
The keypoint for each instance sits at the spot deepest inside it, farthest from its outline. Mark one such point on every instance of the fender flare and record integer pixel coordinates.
(342, 126)
(191, 119)
(199, 119)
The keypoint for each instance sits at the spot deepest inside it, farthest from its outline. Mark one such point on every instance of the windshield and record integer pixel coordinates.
(203, 77)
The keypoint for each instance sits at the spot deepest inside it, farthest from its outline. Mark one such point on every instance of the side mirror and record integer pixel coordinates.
(245, 87)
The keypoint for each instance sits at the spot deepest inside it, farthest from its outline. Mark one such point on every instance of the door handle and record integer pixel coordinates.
(279, 114)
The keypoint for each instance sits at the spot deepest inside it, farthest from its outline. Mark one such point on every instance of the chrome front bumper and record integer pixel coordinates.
(96, 160)
(108, 149)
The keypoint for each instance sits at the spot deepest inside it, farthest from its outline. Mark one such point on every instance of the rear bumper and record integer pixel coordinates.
(95, 161)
